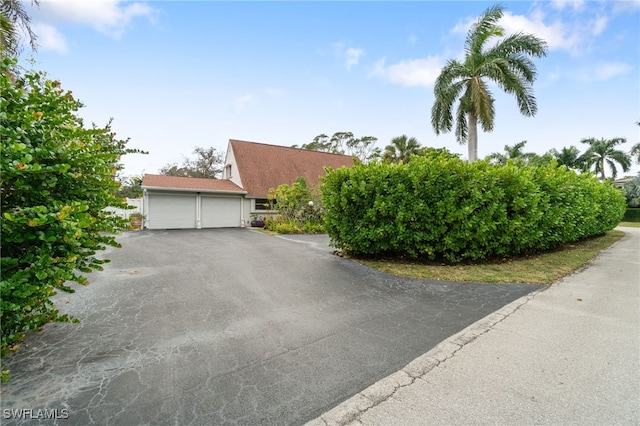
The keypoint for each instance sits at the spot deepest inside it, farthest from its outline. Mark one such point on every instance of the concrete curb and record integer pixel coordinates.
(349, 411)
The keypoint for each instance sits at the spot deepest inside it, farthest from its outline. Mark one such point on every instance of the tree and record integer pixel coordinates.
(513, 153)
(603, 151)
(57, 179)
(568, 157)
(130, 187)
(635, 150)
(506, 63)
(401, 149)
(13, 16)
(632, 192)
(207, 164)
(345, 143)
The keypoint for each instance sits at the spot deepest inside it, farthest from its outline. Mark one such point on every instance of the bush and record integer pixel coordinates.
(282, 225)
(299, 209)
(57, 179)
(631, 215)
(444, 208)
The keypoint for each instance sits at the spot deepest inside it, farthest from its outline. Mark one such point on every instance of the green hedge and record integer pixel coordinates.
(631, 215)
(445, 208)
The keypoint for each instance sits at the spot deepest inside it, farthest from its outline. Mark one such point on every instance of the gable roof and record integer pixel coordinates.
(190, 184)
(263, 166)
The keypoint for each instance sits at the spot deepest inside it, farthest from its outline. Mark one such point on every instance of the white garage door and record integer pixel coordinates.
(220, 212)
(171, 211)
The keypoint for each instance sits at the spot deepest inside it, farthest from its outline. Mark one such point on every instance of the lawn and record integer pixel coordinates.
(543, 268)
(630, 224)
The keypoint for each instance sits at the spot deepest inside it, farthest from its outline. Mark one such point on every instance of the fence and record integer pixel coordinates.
(125, 213)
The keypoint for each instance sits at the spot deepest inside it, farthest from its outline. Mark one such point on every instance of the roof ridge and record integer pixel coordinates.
(291, 147)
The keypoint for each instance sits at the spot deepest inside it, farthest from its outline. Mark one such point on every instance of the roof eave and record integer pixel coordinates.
(210, 191)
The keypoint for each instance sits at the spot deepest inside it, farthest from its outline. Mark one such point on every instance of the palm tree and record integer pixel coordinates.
(506, 63)
(400, 149)
(635, 152)
(13, 16)
(568, 157)
(515, 153)
(603, 151)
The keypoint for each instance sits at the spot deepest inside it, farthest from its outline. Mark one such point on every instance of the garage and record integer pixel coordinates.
(173, 202)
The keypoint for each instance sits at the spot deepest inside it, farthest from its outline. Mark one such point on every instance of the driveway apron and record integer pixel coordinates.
(230, 326)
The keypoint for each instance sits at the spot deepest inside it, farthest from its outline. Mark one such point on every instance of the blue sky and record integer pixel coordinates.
(176, 75)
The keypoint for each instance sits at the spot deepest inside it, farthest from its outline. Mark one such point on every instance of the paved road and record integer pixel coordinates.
(232, 326)
(567, 355)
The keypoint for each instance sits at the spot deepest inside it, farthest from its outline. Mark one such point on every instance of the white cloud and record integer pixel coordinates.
(353, 57)
(111, 17)
(413, 72)
(350, 55)
(49, 38)
(605, 71)
(561, 4)
(241, 102)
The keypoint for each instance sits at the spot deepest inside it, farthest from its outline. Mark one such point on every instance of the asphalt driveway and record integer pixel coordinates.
(231, 326)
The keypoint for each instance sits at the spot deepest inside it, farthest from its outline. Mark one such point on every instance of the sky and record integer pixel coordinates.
(175, 75)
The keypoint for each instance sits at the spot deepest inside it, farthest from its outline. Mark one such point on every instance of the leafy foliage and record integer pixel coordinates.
(603, 151)
(207, 164)
(401, 149)
(568, 157)
(57, 179)
(345, 143)
(632, 192)
(299, 209)
(130, 187)
(444, 208)
(15, 20)
(507, 63)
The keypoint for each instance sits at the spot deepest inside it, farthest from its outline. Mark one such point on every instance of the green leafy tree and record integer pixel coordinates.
(635, 150)
(130, 187)
(603, 152)
(14, 17)
(515, 154)
(632, 192)
(57, 179)
(345, 143)
(401, 149)
(507, 63)
(208, 163)
(568, 157)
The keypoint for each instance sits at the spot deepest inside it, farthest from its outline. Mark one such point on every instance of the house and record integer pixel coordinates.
(250, 170)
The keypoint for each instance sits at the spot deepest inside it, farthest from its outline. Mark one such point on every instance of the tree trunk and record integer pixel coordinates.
(602, 169)
(472, 139)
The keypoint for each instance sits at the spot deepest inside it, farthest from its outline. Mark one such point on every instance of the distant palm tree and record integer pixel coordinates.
(12, 17)
(603, 151)
(514, 153)
(400, 149)
(506, 63)
(568, 157)
(635, 152)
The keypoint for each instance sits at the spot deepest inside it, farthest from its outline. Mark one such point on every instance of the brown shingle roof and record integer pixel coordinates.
(190, 184)
(263, 166)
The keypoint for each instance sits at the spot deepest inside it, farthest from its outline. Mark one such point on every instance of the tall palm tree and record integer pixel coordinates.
(507, 63)
(515, 152)
(400, 149)
(635, 152)
(12, 16)
(568, 157)
(602, 151)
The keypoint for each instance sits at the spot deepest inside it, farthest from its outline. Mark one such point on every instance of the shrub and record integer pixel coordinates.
(631, 215)
(57, 179)
(299, 209)
(444, 208)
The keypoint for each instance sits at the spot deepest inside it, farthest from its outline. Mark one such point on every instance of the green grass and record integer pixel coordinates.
(543, 268)
(630, 224)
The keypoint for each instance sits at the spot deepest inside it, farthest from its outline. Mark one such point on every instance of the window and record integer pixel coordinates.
(262, 204)
(227, 171)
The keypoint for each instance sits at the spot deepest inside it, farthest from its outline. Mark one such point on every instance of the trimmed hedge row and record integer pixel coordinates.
(631, 215)
(445, 208)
